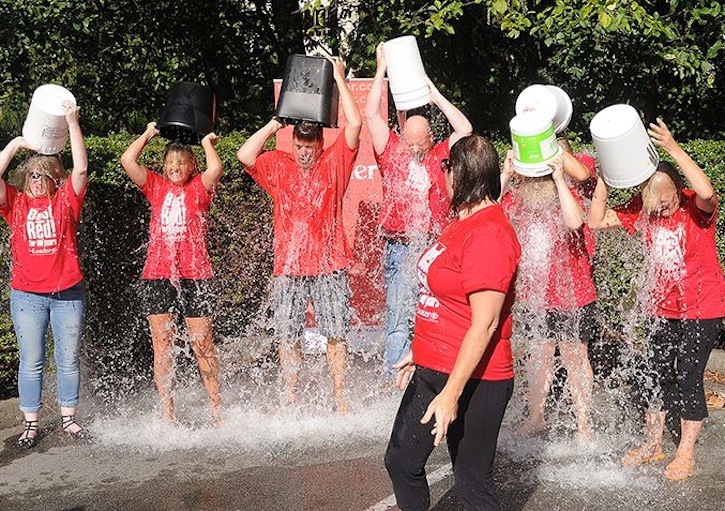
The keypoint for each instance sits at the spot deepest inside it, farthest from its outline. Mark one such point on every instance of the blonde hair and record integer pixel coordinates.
(49, 166)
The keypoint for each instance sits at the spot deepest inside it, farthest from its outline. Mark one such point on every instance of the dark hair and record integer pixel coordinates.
(307, 132)
(476, 173)
(671, 171)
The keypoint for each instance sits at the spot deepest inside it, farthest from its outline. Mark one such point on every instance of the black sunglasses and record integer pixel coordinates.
(36, 175)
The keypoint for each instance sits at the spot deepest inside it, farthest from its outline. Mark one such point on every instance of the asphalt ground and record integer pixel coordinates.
(266, 458)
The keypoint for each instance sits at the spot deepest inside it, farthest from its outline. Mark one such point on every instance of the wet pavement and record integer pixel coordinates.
(317, 461)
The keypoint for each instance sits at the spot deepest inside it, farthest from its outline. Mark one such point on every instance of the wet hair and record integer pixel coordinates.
(476, 174)
(307, 132)
(177, 147)
(564, 143)
(48, 165)
(671, 171)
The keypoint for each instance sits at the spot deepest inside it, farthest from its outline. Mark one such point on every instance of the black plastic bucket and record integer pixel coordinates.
(189, 113)
(309, 92)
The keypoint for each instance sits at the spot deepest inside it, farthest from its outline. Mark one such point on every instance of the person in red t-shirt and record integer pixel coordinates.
(311, 254)
(47, 285)
(178, 270)
(687, 296)
(415, 204)
(460, 369)
(555, 287)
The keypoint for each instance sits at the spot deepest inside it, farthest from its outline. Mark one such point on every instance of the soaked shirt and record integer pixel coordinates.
(415, 199)
(478, 253)
(552, 255)
(43, 239)
(309, 236)
(178, 229)
(687, 275)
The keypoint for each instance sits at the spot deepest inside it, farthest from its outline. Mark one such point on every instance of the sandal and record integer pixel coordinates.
(27, 441)
(81, 434)
(679, 470)
(642, 455)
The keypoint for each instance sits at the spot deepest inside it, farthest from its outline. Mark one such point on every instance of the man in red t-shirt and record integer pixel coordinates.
(311, 254)
(415, 204)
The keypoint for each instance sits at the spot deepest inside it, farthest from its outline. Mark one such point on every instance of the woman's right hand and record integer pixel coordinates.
(151, 131)
(406, 368)
(22, 143)
(508, 165)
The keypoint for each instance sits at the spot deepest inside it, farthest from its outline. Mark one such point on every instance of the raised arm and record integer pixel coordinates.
(377, 125)
(349, 105)
(601, 217)
(461, 126)
(574, 168)
(79, 174)
(213, 173)
(485, 311)
(254, 145)
(129, 159)
(507, 173)
(6, 156)
(571, 210)
(706, 198)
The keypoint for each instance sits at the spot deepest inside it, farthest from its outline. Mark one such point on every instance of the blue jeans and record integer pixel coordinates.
(31, 314)
(401, 296)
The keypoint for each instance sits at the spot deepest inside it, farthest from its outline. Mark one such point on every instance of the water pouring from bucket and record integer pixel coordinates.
(406, 75)
(189, 113)
(534, 144)
(626, 154)
(46, 127)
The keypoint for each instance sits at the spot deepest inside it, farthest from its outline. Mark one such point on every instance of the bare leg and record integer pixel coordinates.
(200, 338)
(684, 462)
(540, 373)
(581, 378)
(162, 334)
(290, 360)
(337, 365)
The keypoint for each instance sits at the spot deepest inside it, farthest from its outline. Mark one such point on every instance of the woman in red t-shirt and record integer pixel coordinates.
(460, 369)
(686, 298)
(555, 287)
(178, 270)
(47, 286)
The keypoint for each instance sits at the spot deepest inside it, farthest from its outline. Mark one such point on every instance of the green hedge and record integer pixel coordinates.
(114, 230)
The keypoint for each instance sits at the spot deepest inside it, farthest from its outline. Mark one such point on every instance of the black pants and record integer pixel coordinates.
(679, 350)
(472, 439)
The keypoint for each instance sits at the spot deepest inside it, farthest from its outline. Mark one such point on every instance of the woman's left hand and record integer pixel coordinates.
(211, 137)
(72, 112)
(445, 410)
(661, 136)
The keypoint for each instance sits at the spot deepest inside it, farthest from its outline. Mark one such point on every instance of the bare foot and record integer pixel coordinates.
(531, 428)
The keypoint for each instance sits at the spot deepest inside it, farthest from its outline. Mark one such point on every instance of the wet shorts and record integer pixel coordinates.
(330, 295)
(192, 298)
(558, 325)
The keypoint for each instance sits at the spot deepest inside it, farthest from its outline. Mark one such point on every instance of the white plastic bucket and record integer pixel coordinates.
(534, 144)
(626, 154)
(550, 101)
(46, 127)
(406, 75)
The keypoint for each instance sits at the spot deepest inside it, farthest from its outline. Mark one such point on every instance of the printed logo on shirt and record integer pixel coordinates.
(173, 217)
(427, 303)
(40, 228)
(667, 252)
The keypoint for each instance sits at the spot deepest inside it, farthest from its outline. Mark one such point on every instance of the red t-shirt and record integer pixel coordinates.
(415, 198)
(43, 239)
(478, 253)
(688, 278)
(309, 238)
(177, 233)
(552, 255)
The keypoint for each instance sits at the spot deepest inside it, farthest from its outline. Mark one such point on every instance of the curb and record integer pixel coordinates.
(10, 415)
